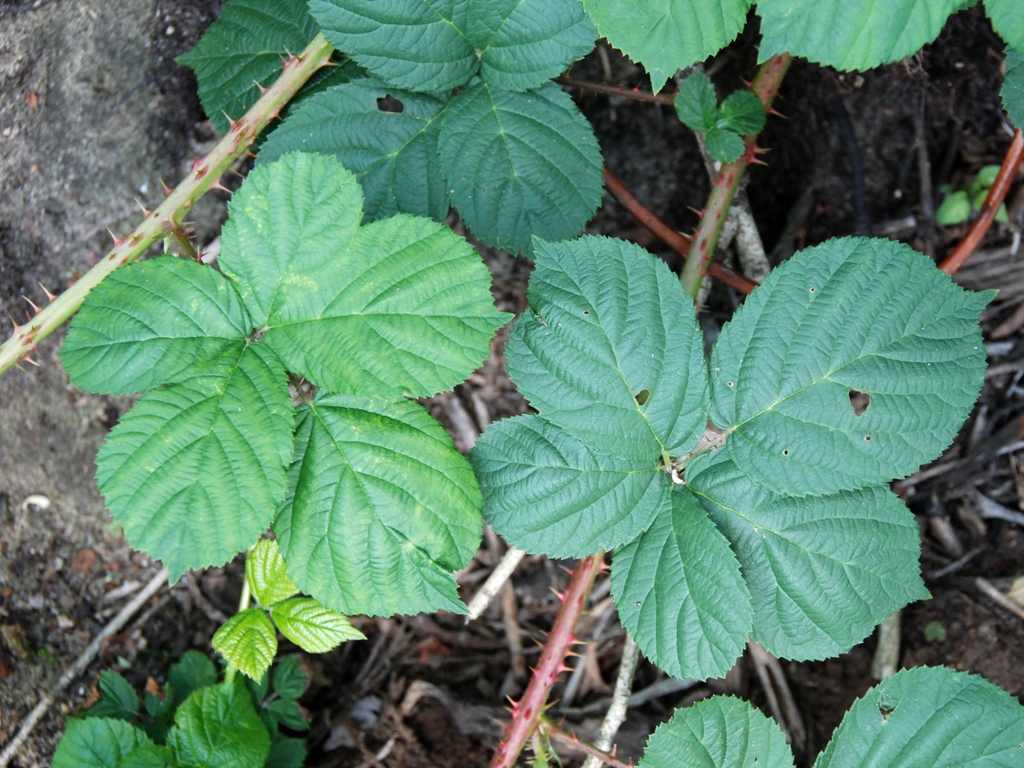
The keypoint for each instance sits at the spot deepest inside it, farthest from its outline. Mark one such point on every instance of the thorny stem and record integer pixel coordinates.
(993, 200)
(527, 712)
(572, 740)
(614, 90)
(727, 182)
(179, 236)
(243, 604)
(161, 222)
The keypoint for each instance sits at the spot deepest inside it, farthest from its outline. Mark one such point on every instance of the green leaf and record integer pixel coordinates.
(401, 306)
(243, 48)
(149, 756)
(520, 165)
(393, 154)
(258, 687)
(861, 315)
(289, 680)
(720, 732)
(822, 571)
(679, 593)
(151, 322)
(287, 713)
(955, 209)
(437, 46)
(267, 574)
(851, 34)
(696, 103)
(929, 716)
(192, 672)
(1008, 20)
(287, 753)
(742, 112)
(382, 508)
(195, 471)
(313, 627)
(248, 641)
(546, 491)
(666, 35)
(97, 743)
(117, 698)
(724, 145)
(217, 727)
(1013, 86)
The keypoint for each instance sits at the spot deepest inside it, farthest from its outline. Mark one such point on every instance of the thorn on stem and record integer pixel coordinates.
(32, 304)
(145, 210)
(263, 90)
(49, 296)
(167, 190)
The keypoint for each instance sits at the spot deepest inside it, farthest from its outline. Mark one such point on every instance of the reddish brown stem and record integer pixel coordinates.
(527, 712)
(614, 90)
(574, 741)
(996, 194)
(726, 183)
(674, 240)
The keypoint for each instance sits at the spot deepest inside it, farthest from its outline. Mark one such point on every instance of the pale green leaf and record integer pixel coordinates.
(929, 716)
(1008, 20)
(97, 743)
(851, 315)
(149, 323)
(696, 103)
(822, 571)
(311, 626)
(248, 641)
(851, 34)
(382, 508)
(401, 306)
(195, 471)
(520, 165)
(608, 327)
(267, 574)
(666, 35)
(955, 209)
(393, 154)
(720, 732)
(546, 491)
(723, 144)
(1013, 86)
(742, 112)
(217, 727)
(679, 593)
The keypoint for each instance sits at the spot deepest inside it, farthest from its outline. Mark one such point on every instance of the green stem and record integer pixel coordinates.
(161, 222)
(727, 182)
(243, 604)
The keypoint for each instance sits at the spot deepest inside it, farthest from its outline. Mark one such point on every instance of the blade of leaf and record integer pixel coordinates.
(382, 508)
(149, 323)
(287, 752)
(117, 698)
(195, 471)
(289, 680)
(267, 574)
(97, 743)
(217, 727)
(1013, 86)
(742, 112)
(679, 593)
(724, 145)
(313, 627)
(862, 315)
(192, 672)
(248, 641)
(1008, 20)
(696, 103)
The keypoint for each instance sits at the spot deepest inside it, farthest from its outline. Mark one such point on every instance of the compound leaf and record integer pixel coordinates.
(248, 641)
(401, 306)
(720, 732)
(1008, 19)
(520, 164)
(117, 698)
(929, 716)
(723, 144)
(245, 47)
(850, 316)
(97, 742)
(267, 574)
(547, 491)
(195, 471)
(392, 153)
(382, 508)
(217, 727)
(1013, 86)
(149, 323)
(311, 626)
(822, 571)
(851, 34)
(192, 672)
(742, 112)
(696, 103)
(666, 35)
(679, 592)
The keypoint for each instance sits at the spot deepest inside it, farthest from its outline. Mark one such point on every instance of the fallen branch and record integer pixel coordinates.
(620, 702)
(494, 583)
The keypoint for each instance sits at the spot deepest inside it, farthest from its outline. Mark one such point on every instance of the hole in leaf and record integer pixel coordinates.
(813, 289)
(785, 451)
(887, 705)
(642, 396)
(390, 104)
(868, 438)
(728, 384)
(586, 311)
(859, 401)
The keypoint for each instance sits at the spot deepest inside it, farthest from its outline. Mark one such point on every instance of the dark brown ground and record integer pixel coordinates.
(116, 115)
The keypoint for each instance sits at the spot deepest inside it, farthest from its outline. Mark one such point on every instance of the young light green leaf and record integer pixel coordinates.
(117, 698)
(217, 727)
(267, 574)
(382, 508)
(666, 35)
(851, 34)
(149, 323)
(696, 103)
(192, 672)
(1013, 86)
(311, 626)
(392, 153)
(539, 157)
(723, 144)
(679, 592)
(286, 752)
(955, 209)
(97, 743)
(401, 306)
(195, 471)
(720, 732)
(862, 316)
(289, 681)
(248, 641)
(1008, 20)
(244, 49)
(742, 112)
(547, 491)
(929, 716)
(608, 327)
(822, 571)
